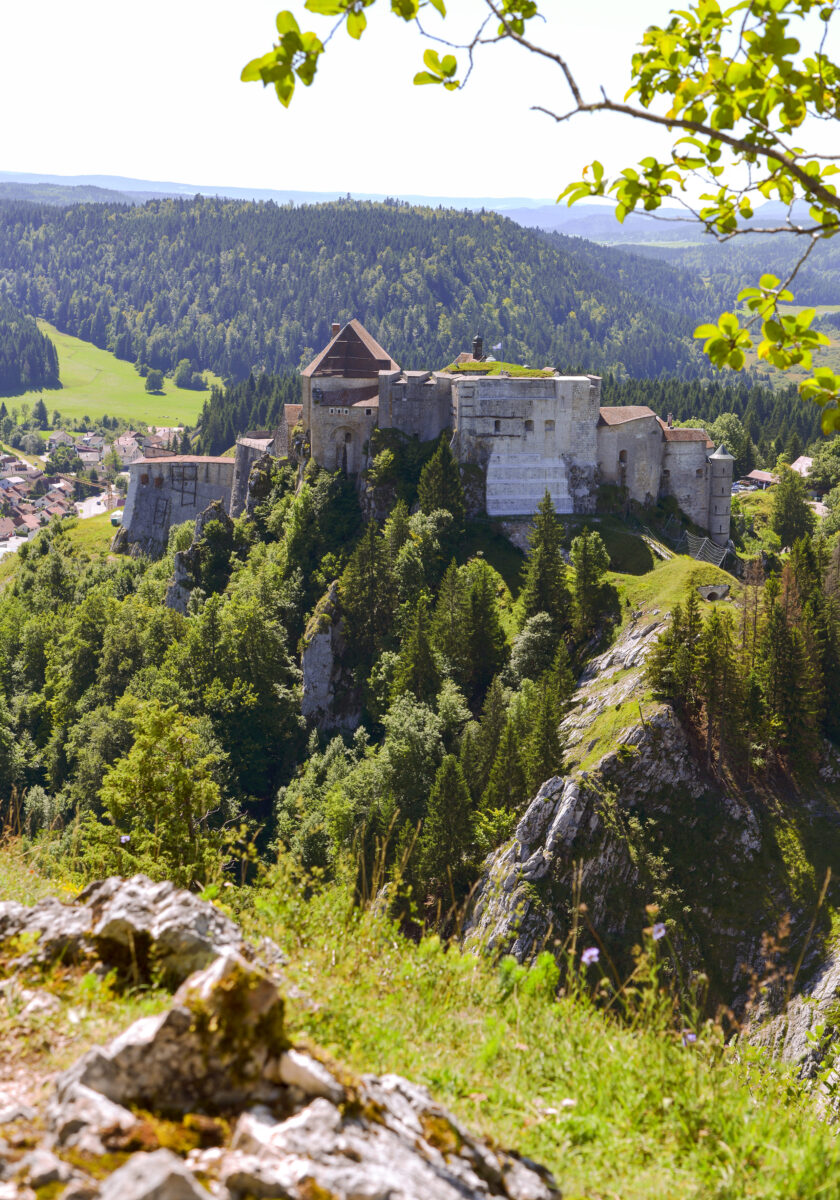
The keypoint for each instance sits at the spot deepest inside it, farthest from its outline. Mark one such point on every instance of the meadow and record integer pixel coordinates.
(96, 384)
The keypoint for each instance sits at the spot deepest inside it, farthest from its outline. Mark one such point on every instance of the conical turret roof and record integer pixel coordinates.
(721, 452)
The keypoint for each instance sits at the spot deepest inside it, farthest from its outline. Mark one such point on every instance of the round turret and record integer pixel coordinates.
(721, 468)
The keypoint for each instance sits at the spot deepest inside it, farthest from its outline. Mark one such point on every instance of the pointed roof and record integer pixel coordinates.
(352, 354)
(721, 452)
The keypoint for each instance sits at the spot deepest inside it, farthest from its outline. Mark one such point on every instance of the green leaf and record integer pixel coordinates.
(706, 331)
(286, 23)
(325, 8)
(356, 24)
(424, 77)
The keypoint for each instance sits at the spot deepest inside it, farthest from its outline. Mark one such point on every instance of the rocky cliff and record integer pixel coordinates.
(637, 820)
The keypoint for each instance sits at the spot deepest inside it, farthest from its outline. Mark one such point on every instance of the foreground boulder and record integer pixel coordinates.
(276, 1120)
(132, 924)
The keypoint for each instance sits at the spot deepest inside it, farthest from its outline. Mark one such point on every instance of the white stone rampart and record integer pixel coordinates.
(532, 435)
(163, 492)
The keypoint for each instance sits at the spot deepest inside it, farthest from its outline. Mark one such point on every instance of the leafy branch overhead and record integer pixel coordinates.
(738, 92)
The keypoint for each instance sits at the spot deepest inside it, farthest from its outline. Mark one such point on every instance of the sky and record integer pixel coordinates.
(152, 91)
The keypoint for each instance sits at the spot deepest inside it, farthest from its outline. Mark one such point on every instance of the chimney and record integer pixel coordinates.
(478, 348)
(336, 328)
(670, 421)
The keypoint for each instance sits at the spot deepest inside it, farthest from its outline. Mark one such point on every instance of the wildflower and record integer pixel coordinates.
(688, 1037)
(590, 955)
(658, 931)
(125, 837)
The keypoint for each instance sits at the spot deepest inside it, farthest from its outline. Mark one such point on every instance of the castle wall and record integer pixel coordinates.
(248, 450)
(630, 455)
(418, 403)
(343, 414)
(532, 435)
(164, 492)
(685, 476)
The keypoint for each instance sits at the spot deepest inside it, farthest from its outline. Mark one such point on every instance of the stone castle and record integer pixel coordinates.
(525, 433)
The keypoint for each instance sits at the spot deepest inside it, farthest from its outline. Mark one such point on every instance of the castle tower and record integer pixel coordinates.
(721, 467)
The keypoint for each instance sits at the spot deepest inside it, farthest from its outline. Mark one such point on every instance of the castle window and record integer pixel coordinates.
(529, 426)
(158, 481)
(332, 412)
(367, 412)
(622, 457)
(699, 472)
(348, 437)
(497, 426)
(549, 427)
(144, 478)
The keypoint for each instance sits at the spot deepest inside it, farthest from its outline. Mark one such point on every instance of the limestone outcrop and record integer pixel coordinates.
(330, 699)
(197, 560)
(258, 1117)
(133, 924)
(636, 820)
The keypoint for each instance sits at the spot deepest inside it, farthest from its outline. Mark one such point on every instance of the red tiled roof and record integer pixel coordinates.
(620, 414)
(763, 477)
(352, 353)
(686, 435)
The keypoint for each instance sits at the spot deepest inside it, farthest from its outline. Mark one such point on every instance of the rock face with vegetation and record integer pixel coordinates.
(328, 699)
(637, 820)
(256, 1116)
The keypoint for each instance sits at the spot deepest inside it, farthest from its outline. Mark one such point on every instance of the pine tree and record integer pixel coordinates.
(417, 670)
(791, 517)
(396, 529)
(544, 588)
(440, 485)
(720, 683)
(488, 735)
(590, 561)
(507, 786)
(790, 677)
(447, 832)
(366, 592)
(450, 624)
(543, 751)
(486, 643)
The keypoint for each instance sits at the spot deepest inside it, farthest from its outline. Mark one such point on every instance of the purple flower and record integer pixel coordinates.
(658, 931)
(590, 955)
(125, 837)
(688, 1037)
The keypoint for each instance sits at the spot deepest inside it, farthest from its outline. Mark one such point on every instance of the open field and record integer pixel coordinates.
(96, 384)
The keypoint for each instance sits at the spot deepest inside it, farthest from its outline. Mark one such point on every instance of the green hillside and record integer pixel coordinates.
(95, 384)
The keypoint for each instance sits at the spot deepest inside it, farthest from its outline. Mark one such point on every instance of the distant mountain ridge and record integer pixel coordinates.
(139, 190)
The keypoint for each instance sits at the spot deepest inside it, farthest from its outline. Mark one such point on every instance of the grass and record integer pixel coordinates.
(482, 538)
(668, 583)
(496, 368)
(614, 1107)
(90, 537)
(96, 384)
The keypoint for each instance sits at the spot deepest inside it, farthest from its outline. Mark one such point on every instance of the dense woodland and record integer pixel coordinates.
(236, 287)
(27, 356)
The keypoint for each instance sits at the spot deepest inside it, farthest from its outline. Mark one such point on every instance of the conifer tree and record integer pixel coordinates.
(721, 686)
(543, 751)
(560, 679)
(447, 832)
(417, 670)
(507, 786)
(366, 592)
(450, 623)
(791, 680)
(791, 517)
(545, 588)
(486, 643)
(440, 485)
(396, 529)
(590, 561)
(469, 756)
(479, 753)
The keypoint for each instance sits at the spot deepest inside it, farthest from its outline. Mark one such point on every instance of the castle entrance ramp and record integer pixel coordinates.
(517, 482)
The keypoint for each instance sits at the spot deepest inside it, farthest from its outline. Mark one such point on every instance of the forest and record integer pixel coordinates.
(238, 287)
(27, 357)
